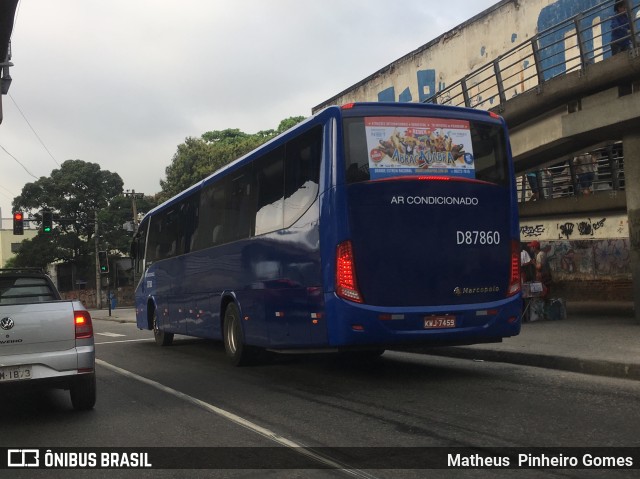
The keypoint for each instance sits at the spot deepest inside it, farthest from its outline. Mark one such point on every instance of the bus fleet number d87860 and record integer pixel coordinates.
(478, 237)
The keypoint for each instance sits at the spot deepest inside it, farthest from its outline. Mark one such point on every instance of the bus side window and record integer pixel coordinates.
(302, 174)
(155, 234)
(209, 216)
(217, 237)
(270, 192)
(171, 233)
(240, 206)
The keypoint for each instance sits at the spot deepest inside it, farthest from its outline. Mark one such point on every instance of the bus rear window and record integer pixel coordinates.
(384, 147)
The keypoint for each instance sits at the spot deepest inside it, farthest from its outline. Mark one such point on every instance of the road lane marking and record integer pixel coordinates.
(112, 335)
(267, 433)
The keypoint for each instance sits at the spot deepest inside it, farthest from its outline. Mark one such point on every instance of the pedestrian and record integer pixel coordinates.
(532, 178)
(527, 265)
(620, 31)
(547, 183)
(585, 172)
(114, 300)
(543, 269)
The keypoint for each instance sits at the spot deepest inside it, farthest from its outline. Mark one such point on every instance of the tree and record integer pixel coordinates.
(197, 158)
(74, 192)
(113, 218)
(35, 253)
(289, 123)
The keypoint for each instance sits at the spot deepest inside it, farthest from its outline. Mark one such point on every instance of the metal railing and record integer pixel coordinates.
(563, 180)
(569, 46)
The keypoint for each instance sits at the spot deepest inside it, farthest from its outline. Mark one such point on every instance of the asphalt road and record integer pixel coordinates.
(189, 395)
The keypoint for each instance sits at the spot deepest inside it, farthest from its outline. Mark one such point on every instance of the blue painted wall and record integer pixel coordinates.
(552, 45)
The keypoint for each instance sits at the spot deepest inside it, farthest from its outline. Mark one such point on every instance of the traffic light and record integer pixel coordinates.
(47, 221)
(103, 260)
(18, 223)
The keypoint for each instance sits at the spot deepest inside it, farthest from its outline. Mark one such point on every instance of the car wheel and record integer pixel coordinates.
(162, 338)
(83, 392)
(239, 353)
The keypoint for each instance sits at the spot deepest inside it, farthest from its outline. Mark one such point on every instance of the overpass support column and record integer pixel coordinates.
(631, 150)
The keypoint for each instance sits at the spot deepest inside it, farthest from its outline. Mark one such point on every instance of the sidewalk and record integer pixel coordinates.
(599, 338)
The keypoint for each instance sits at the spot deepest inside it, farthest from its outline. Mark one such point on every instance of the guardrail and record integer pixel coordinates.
(565, 179)
(569, 46)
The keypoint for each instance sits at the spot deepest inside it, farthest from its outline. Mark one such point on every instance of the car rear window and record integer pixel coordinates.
(25, 290)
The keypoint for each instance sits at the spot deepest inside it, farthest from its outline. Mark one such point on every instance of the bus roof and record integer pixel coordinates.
(350, 109)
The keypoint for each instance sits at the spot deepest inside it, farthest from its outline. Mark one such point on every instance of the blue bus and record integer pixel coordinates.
(365, 227)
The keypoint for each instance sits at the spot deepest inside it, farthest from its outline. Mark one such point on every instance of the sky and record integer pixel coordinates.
(122, 83)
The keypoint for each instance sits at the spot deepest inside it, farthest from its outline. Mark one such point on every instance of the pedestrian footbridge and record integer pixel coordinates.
(564, 93)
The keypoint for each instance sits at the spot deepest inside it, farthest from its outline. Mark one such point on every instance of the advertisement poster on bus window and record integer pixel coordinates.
(419, 146)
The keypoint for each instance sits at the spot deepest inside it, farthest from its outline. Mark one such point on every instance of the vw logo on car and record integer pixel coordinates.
(6, 323)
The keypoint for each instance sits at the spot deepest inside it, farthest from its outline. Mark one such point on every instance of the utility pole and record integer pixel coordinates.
(134, 207)
(98, 275)
(135, 210)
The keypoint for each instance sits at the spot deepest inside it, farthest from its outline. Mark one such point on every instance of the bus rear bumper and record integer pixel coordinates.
(353, 324)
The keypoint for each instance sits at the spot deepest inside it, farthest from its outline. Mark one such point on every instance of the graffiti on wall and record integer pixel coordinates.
(577, 228)
(603, 259)
(583, 247)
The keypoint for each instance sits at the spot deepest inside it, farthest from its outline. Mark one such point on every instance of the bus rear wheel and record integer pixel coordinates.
(234, 346)
(162, 338)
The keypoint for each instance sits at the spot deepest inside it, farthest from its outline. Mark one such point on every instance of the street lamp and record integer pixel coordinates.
(5, 83)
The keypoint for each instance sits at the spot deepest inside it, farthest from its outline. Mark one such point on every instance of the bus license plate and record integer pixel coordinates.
(17, 373)
(436, 322)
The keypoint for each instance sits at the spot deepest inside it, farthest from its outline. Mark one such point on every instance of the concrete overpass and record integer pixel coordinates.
(578, 112)
(581, 100)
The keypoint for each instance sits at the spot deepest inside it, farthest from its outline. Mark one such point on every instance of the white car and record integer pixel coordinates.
(44, 340)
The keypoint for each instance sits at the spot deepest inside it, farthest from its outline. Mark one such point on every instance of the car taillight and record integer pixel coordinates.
(84, 328)
(346, 284)
(514, 280)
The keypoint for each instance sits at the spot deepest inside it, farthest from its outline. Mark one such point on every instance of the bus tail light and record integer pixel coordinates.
(514, 280)
(346, 284)
(83, 325)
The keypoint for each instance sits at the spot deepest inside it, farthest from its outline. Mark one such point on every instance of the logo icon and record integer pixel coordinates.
(457, 291)
(23, 457)
(6, 323)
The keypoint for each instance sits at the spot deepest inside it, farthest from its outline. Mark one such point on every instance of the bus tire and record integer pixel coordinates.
(162, 338)
(234, 345)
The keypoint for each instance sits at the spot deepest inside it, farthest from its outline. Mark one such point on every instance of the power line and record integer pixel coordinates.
(7, 190)
(18, 161)
(6, 195)
(34, 131)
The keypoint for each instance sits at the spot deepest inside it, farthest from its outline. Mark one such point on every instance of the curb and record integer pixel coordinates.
(562, 363)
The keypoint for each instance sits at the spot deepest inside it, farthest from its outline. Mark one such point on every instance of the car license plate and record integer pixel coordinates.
(15, 373)
(438, 322)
